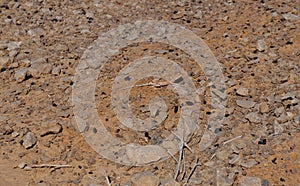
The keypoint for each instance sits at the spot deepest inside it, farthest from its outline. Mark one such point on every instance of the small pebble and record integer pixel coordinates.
(22, 165)
(245, 103)
(145, 178)
(29, 140)
(15, 134)
(261, 45)
(51, 129)
(264, 108)
(250, 181)
(242, 91)
(290, 16)
(21, 74)
(253, 117)
(265, 183)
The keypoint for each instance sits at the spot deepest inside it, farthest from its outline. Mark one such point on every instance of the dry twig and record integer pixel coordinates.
(228, 141)
(157, 83)
(107, 179)
(192, 171)
(51, 166)
(181, 154)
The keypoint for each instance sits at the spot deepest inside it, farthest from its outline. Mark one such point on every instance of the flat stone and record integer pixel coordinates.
(45, 159)
(248, 164)
(20, 75)
(222, 178)
(38, 67)
(4, 61)
(242, 91)
(245, 103)
(264, 107)
(169, 182)
(6, 130)
(290, 16)
(250, 181)
(253, 117)
(29, 140)
(51, 129)
(278, 129)
(13, 45)
(145, 178)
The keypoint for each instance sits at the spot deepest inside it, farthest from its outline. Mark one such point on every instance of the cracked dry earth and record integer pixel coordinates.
(257, 44)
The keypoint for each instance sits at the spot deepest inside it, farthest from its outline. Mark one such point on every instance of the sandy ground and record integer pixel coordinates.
(257, 44)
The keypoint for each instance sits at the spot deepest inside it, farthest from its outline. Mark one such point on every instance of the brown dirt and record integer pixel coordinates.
(58, 32)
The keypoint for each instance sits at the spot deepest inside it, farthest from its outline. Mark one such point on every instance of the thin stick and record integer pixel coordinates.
(228, 141)
(157, 83)
(179, 161)
(172, 156)
(107, 179)
(212, 156)
(51, 166)
(182, 141)
(181, 155)
(192, 171)
(184, 170)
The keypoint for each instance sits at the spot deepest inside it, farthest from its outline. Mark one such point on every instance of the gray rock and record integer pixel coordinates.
(29, 140)
(55, 71)
(290, 16)
(223, 154)
(253, 117)
(13, 45)
(4, 61)
(45, 159)
(6, 130)
(242, 91)
(279, 111)
(264, 107)
(21, 74)
(278, 129)
(15, 134)
(169, 182)
(51, 129)
(199, 14)
(12, 53)
(22, 165)
(265, 183)
(250, 181)
(145, 178)
(235, 158)
(39, 67)
(248, 164)
(222, 178)
(261, 45)
(245, 103)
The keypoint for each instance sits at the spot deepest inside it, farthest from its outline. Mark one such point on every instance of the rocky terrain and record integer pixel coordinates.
(257, 44)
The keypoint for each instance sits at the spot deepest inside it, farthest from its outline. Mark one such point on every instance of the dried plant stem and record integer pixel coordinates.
(181, 155)
(179, 161)
(228, 141)
(192, 171)
(51, 166)
(107, 179)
